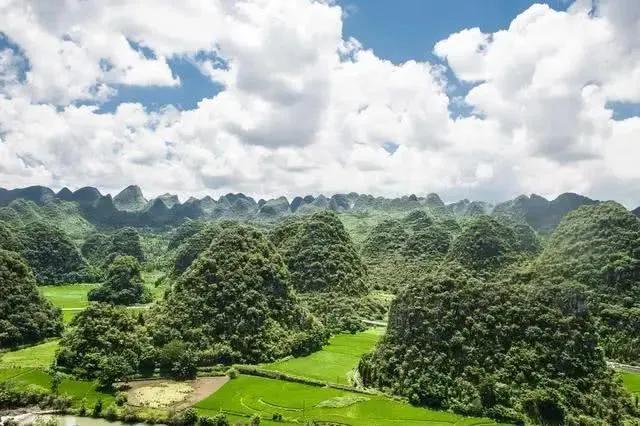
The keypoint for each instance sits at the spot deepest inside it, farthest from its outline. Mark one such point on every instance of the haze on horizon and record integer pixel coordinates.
(293, 97)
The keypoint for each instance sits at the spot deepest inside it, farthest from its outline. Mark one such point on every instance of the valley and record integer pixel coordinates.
(406, 311)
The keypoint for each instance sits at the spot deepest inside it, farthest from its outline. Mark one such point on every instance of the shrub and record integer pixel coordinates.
(218, 420)
(121, 398)
(97, 408)
(232, 373)
(111, 412)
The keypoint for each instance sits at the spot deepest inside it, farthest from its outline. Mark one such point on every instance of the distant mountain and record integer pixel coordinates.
(130, 199)
(274, 208)
(169, 200)
(65, 194)
(541, 214)
(131, 208)
(636, 211)
(37, 194)
(86, 195)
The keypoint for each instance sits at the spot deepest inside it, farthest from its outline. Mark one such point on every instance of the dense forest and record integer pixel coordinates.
(513, 311)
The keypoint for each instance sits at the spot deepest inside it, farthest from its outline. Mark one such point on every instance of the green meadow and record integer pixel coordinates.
(70, 296)
(77, 390)
(38, 356)
(249, 395)
(335, 361)
(631, 382)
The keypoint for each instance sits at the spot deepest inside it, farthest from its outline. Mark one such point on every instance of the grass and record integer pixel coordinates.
(77, 390)
(38, 356)
(249, 395)
(70, 296)
(335, 361)
(631, 382)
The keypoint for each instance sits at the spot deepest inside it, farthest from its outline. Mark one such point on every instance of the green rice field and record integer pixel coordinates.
(70, 296)
(335, 361)
(249, 395)
(76, 389)
(631, 382)
(38, 356)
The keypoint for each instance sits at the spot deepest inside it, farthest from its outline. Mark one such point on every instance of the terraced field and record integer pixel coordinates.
(248, 395)
(335, 361)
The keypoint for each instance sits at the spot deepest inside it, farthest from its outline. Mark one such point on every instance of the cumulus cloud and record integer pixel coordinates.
(304, 110)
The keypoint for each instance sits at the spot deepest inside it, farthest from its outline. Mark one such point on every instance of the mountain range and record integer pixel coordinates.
(130, 207)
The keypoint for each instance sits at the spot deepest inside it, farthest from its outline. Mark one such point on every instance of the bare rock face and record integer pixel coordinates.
(130, 199)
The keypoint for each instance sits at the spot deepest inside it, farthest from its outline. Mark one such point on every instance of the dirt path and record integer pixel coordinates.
(202, 388)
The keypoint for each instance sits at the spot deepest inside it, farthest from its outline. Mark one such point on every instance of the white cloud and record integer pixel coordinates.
(305, 110)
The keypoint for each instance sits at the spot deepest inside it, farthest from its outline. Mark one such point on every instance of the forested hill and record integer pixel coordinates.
(131, 208)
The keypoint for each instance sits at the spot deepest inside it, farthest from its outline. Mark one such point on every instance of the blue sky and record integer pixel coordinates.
(272, 97)
(408, 29)
(397, 31)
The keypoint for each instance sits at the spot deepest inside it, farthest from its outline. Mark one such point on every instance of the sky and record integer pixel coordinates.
(470, 99)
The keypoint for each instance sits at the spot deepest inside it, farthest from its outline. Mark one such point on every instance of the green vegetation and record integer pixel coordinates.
(80, 391)
(327, 270)
(52, 255)
(484, 245)
(70, 296)
(320, 255)
(342, 313)
(67, 216)
(486, 319)
(25, 316)
(184, 231)
(398, 250)
(505, 350)
(38, 356)
(248, 395)
(105, 343)
(631, 382)
(335, 362)
(123, 284)
(599, 246)
(101, 249)
(8, 239)
(236, 298)
(193, 246)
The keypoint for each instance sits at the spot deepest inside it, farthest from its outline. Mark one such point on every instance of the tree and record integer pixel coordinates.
(321, 256)
(103, 342)
(237, 292)
(126, 242)
(123, 285)
(52, 255)
(25, 316)
(178, 360)
(484, 245)
(8, 239)
(500, 349)
(193, 246)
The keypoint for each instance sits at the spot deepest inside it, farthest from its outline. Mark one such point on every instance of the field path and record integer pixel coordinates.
(202, 388)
